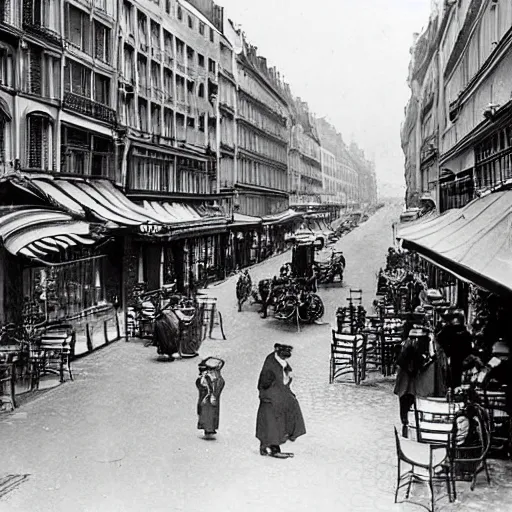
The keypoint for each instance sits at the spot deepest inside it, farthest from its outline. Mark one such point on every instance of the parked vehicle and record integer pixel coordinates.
(299, 303)
(326, 272)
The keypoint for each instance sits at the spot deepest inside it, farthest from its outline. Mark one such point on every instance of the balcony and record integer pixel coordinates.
(37, 30)
(90, 108)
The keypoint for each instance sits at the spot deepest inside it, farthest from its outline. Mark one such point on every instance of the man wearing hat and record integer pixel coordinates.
(412, 362)
(456, 342)
(279, 416)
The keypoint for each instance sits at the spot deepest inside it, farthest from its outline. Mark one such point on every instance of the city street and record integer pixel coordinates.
(123, 437)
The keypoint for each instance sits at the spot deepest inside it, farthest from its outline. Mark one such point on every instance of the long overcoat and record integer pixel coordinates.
(279, 416)
(208, 406)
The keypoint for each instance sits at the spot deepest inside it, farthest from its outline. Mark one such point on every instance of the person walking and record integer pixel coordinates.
(279, 417)
(210, 384)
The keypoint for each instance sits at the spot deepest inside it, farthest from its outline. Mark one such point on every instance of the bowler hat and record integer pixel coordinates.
(282, 347)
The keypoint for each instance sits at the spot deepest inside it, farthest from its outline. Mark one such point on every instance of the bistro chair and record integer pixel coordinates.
(348, 355)
(424, 463)
(495, 403)
(470, 443)
(7, 389)
(433, 419)
(57, 348)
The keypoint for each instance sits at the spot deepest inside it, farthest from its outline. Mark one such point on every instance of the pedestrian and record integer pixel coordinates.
(456, 342)
(412, 378)
(279, 416)
(210, 384)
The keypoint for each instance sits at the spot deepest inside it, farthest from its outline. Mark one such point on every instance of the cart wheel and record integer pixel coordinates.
(316, 308)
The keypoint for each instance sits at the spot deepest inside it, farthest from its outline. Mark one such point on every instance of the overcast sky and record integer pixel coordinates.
(347, 58)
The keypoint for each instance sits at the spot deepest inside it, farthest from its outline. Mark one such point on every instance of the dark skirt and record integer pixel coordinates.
(208, 416)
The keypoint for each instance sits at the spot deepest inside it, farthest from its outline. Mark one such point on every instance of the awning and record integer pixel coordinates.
(474, 241)
(174, 214)
(240, 220)
(99, 198)
(38, 232)
(281, 218)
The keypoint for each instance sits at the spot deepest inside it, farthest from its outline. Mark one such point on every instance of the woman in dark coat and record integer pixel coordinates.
(210, 385)
(279, 416)
(414, 376)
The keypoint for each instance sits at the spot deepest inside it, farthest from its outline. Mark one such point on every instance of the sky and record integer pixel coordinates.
(347, 58)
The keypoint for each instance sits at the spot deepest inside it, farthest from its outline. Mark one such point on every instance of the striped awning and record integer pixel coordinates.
(97, 198)
(282, 218)
(38, 232)
(240, 220)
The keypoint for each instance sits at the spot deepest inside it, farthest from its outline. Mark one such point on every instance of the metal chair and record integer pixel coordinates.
(7, 389)
(429, 463)
(470, 443)
(347, 356)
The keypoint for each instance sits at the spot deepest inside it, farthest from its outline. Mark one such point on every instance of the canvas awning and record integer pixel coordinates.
(99, 198)
(240, 221)
(281, 218)
(474, 241)
(38, 232)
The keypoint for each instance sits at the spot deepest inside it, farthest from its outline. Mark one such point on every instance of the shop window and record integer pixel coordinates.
(62, 291)
(39, 142)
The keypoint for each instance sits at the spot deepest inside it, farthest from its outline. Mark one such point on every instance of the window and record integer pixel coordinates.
(211, 66)
(168, 124)
(200, 60)
(155, 119)
(143, 115)
(201, 122)
(51, 77)
(128, 64)
(168, 6)
(190, 22)
(201, 28)
(6, 67)
(101, 42)
(38, 13)
(180, 13)
(77, 79)
(200, 90)
(128, 17)
(35, 70)
(78, 28)
(4, 138)
(168, 85)
(212, 39)
(39, 142)
(155, 35)
(101, 89)
(142, 23)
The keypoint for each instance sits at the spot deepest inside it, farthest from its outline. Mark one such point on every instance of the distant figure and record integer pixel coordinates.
(210, 385)
(279, 415)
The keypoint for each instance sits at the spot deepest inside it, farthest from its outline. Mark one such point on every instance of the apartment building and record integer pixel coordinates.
(305, 168)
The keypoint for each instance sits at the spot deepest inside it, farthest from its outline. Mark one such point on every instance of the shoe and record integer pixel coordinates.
(279, 455)
(265, 451)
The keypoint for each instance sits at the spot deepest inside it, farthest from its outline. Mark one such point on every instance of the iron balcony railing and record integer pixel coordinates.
(90, 108)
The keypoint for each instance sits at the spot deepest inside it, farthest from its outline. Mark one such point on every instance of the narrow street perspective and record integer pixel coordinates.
(255, 256)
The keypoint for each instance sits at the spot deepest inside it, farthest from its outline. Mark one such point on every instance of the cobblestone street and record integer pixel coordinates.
(123, 436)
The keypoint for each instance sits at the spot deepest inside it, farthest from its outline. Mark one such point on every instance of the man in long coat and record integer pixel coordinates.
(279, 416)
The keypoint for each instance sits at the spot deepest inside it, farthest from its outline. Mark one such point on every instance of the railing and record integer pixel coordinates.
(157, 94)
(180, 67)
(169, 99)
(45, 33)
(144, 90)
(89, 107)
